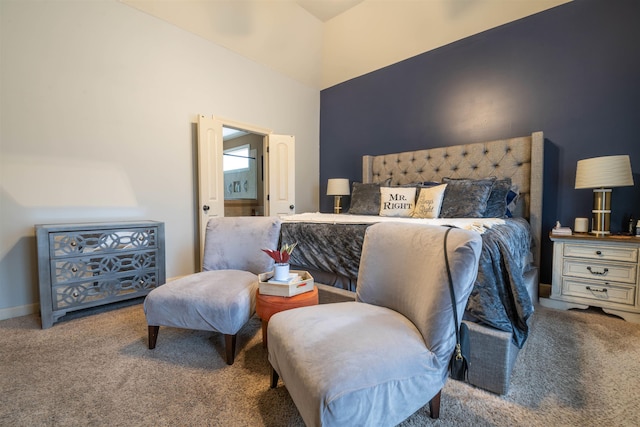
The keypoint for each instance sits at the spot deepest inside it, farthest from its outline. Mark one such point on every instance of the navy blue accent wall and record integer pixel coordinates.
(572, 72)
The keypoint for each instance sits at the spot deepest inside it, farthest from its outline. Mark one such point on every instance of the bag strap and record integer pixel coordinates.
(458, 351)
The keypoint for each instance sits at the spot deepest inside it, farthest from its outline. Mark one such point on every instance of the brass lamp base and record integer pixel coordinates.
(336, 204)
(601, 211)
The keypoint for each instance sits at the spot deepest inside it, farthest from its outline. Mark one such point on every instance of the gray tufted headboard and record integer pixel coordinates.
(520, 159)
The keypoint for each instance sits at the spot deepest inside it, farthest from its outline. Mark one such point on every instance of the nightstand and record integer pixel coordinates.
(596, 271)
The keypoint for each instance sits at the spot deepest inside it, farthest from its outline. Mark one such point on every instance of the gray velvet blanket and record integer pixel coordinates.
(331, 253)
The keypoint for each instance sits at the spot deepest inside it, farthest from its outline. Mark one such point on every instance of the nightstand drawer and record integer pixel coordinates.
(599, 291)
(602, 271)
(608, 253)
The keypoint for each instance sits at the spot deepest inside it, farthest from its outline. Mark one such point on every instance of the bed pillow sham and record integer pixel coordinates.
(397, 201)
(429, 201)
(497, 202)
(466, 198)
(365, 199)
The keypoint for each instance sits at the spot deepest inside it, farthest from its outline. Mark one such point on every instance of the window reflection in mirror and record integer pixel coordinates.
(243, 177)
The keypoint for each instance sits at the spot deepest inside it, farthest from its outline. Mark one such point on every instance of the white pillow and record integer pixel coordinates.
(429, 202)
(397, 201)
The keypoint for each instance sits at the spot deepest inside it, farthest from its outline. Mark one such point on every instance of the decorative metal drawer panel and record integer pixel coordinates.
(81, 268)
(87, 265)
(106, 290)
(625, 273)
(74, 243)
(599, 290)
(602, 252)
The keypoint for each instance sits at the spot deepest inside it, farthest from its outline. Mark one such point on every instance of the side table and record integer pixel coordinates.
(599, 271)
(268, 305)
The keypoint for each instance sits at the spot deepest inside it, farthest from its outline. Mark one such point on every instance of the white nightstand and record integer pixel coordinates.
(596, 271)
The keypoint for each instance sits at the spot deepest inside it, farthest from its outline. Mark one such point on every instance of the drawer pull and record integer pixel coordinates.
(598, 273)
(73, 243)
(74, 269)
(604, 290)
(598, 252)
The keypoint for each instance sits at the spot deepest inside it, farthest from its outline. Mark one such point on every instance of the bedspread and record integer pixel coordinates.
(499, 298)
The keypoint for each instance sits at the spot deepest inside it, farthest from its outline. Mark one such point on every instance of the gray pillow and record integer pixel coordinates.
(497, 203)
(365, 199)
(466, 198)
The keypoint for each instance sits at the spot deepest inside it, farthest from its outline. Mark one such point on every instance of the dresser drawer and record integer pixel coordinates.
(103, 290)
(603, 271)
(101, 265)
(74, 243)
(599, 291)
(601, 252)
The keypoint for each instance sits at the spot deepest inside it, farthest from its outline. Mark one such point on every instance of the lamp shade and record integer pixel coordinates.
(601, 172)
(338, 187)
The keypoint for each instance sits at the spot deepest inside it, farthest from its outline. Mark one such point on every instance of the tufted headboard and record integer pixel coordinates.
(520, 159)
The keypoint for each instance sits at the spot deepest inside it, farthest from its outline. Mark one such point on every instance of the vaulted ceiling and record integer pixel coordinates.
(322, 43)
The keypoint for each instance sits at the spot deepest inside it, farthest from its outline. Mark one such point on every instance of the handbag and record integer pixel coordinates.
(459, 363)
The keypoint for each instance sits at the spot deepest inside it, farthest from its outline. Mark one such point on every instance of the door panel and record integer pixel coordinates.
(210, 174)
(281, 174)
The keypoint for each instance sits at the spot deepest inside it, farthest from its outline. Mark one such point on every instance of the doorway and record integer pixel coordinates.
(277, 172)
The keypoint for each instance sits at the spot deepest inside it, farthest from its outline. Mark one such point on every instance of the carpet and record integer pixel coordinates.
(577, 369)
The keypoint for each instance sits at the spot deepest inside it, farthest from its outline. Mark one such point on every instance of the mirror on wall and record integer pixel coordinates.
(243, 173)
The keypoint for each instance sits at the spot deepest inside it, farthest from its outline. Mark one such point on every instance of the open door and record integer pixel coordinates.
(281, 174)
(210, 174)
(279, 171)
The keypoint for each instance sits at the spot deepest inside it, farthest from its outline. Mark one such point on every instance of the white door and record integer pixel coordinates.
(281, 184)
(210, 174)
(279, 171)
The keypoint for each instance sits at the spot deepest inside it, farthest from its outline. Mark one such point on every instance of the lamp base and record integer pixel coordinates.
(336, 204)
(601, 211)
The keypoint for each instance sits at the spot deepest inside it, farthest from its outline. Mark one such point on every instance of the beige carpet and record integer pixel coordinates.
(577, 369)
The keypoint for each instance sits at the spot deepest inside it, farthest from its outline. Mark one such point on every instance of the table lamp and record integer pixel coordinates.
(337, 187)
(602, 173)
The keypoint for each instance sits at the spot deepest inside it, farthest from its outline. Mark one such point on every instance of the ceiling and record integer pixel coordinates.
(327, 9)
(322, 43)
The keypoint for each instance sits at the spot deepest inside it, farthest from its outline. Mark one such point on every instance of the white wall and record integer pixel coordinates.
(97, 123)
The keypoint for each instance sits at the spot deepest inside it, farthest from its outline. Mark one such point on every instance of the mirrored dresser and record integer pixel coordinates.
(92, 264)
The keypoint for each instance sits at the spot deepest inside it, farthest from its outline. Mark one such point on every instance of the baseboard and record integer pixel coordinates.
(23, 310)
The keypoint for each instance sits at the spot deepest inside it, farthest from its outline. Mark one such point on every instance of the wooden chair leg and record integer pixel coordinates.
(274, 378)
(153, 336)
(434, 406)
(264, 333)
(230, 347)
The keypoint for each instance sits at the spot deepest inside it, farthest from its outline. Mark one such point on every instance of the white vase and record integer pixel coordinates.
(282, 272)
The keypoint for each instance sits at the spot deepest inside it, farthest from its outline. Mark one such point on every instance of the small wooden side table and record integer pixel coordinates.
(268, 305)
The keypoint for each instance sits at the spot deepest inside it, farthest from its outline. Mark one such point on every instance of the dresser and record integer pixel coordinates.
(596, 271)
(92, 264)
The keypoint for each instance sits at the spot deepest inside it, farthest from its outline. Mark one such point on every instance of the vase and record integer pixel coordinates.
(282, 272)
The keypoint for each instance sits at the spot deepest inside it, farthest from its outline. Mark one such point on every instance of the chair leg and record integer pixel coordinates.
(230, 347)
(153, 336)
(274, 378)
(434, 406)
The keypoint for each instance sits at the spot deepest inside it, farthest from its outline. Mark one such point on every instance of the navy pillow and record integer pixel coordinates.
(512, 201)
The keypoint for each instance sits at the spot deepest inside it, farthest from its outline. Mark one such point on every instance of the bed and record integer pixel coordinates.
(507, 286)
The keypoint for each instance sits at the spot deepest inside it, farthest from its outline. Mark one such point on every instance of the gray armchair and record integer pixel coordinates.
(379, 359)
(221, 298)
